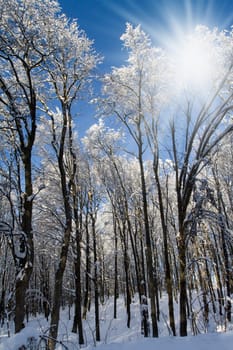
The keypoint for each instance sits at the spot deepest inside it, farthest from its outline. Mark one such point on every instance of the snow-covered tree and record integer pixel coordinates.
(69, 72)
(22, 52)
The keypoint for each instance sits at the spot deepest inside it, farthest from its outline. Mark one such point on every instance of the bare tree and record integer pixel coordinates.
(125, 85)
(68, 71)
(22, 52)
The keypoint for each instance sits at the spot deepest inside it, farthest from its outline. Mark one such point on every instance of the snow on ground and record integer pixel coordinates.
(200, 342)
(114, 333)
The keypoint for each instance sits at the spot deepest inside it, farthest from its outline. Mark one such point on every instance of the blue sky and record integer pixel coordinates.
(104, 22)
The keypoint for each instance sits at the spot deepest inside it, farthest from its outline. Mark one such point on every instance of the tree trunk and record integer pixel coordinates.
(227, 266)
(116, 287)
(55, 314)
(182, 280)
(127, 283)
(144, 278)
(96, 274)
(149, 259)
(86, 300)
(25, 263)
(66, 236)
(168, 277)
(77, 324)
(133, 239)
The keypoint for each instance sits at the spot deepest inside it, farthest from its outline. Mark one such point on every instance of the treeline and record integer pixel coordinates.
(142, 208)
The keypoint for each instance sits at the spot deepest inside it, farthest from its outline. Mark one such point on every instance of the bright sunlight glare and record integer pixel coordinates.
(194, 63)
(182, 31)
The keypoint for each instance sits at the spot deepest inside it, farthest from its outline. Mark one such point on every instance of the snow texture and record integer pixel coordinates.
(114, 333)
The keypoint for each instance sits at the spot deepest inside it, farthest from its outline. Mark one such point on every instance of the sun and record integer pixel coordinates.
(185, 36)
(194, 62)
(188, 33)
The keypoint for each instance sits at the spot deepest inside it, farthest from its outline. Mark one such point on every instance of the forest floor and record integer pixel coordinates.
(115, 335)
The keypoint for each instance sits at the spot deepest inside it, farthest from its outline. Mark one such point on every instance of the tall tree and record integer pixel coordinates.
(22, 53)
(124, 90)
(202, 129)
(68, 69)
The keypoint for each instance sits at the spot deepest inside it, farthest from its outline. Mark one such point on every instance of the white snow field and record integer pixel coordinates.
(115, 335)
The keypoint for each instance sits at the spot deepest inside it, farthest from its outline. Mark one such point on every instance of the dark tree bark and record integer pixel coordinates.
(22, 56)
(55, 313)
(124, 240)
(226, 258)
(149, 260)
(116, 286)
(96, 286)
(23, 132)
(86, 298)
(25, 265)
(168, 274)
(77, 323)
